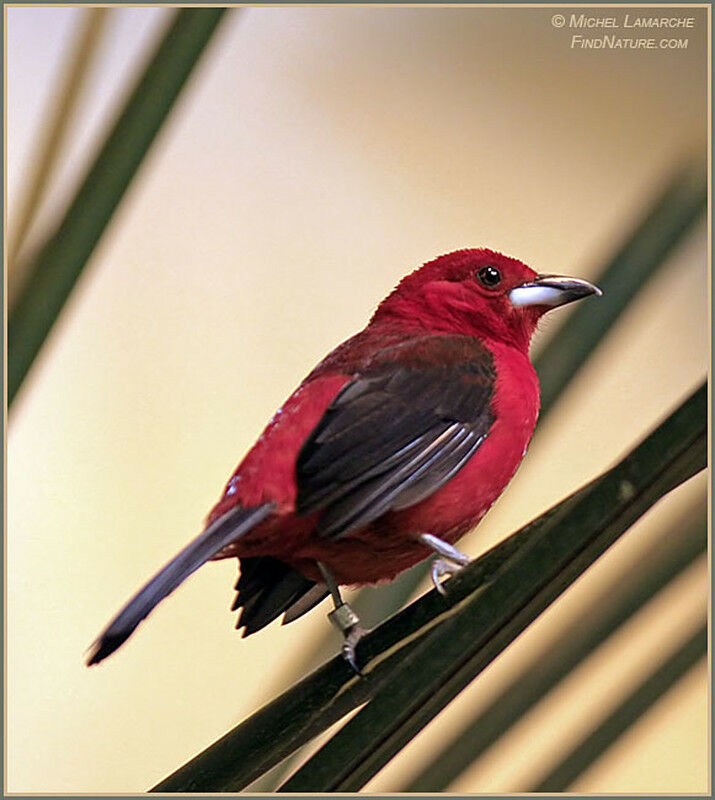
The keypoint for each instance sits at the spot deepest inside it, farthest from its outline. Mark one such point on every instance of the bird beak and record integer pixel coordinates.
(551, 291)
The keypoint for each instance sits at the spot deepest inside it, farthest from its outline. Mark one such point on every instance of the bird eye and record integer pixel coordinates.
(489, 277)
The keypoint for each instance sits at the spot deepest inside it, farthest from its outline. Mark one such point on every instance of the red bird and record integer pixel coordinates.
(393, 447)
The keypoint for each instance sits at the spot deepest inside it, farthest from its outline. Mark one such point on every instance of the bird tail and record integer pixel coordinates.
(226, 529)
(267, 588)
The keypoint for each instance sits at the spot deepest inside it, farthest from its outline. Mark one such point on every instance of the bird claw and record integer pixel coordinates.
(449, 560)
(441, 567)
(348, 623)
(352, 637)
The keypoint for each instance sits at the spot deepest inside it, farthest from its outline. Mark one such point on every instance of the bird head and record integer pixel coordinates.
(479, 292)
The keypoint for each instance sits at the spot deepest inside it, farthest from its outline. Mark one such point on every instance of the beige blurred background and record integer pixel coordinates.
(316, 156)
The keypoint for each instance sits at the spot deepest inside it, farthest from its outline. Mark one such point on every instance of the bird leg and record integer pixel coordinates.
(344, 618)
(448, 562)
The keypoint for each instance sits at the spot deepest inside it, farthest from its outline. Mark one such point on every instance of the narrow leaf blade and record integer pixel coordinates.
(60, 262)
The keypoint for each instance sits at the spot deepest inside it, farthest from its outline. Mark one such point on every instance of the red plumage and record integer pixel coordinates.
(433, 300)
(413, 426)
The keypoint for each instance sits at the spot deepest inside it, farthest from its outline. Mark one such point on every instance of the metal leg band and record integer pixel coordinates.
(344, 618)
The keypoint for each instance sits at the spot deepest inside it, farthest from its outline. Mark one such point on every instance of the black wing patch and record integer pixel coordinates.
(396, 433)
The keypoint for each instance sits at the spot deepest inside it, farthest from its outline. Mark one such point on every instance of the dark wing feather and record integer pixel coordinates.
(396, 433)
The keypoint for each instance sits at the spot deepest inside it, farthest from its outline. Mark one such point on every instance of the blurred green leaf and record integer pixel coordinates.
(59, 263)
(668, 556)
(627, 713)
(50, 136)
(416, 662)
(679, 204)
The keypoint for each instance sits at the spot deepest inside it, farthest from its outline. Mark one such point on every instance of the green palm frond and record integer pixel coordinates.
(627, 592)
(55, 269)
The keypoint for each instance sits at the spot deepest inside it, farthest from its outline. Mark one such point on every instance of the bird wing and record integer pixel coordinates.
(397, 432)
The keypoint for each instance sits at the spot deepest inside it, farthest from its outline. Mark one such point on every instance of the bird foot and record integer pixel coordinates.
(440, 568)
(449, 560)
(352, 637)
(344, 618)
(348, 623)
